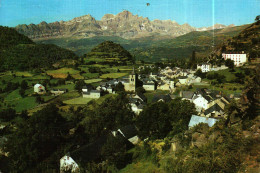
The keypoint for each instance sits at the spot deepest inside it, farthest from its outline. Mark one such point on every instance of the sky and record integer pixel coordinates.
(197, 13)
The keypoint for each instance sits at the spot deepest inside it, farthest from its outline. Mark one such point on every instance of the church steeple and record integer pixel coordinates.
(133, 72)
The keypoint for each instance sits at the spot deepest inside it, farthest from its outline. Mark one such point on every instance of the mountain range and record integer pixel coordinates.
(124, 25)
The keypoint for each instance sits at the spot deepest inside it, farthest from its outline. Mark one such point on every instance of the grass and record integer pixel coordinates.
(69, 95)
(77, 101)
(47, 98)
(141, 166)
(229, 75)
(25, 103)
(113, 75)
(14, 95)
(63, 71)
(77, 76)
(69, 87)
(40, 77)
(90, 75)
(92, 81)
(18, 102)
(227, 88)
(25, 74)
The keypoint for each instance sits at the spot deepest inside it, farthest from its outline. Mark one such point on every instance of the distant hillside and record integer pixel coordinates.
(19, 52)
(109, 52)
(247, 40)
(9, 37)
(154, 48)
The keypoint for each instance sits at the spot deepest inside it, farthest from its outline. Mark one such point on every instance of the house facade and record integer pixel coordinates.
(58, 91)
(68, 164)
(149, 86)
(92, 94)
(206, 67)
(239, 58)
(200, 103)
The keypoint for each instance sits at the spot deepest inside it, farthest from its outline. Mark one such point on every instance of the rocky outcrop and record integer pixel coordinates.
(124, 24)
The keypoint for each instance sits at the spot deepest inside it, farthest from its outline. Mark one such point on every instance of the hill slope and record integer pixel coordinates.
(109, 52)
(154, 48)
(247, 40)
(19, 52)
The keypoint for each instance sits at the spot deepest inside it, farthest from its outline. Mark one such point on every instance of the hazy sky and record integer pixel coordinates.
(197, 13)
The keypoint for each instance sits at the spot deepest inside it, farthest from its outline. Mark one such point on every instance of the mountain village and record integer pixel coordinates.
(129, 94)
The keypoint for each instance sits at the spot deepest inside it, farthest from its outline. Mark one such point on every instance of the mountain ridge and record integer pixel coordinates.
(123, 24)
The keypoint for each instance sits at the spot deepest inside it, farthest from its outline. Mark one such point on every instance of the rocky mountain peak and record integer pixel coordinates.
(108, 17)
(123, 24)
(125, 14)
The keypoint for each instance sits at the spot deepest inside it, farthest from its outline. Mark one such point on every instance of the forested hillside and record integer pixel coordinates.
(156, 47)
(247, 40)
(19, 52)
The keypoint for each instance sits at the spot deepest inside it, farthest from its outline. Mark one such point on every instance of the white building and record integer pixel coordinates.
(149, 86)
(38, 88)
(92, 94)
(205, 67)
(68, 164)
(200, 102)
(239, 58)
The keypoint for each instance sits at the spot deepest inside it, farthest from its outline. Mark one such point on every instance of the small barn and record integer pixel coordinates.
(40, 89)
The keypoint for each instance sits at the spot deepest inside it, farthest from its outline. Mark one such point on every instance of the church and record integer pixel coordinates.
(131, 84)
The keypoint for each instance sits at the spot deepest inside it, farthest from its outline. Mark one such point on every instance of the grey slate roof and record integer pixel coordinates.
(129, 131)
(142, 96)
(166, 98)
(95, 91)
(195, 119)
(182, 77)
(213, 108)
(187, 94)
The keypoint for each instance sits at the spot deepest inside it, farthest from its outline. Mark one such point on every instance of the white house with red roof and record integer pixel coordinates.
(40, 89)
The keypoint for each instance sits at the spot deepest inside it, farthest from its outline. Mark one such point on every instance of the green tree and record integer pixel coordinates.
(115, 151)
(119, 87)
(38, 99)
(200, 74)
(79, 85)
(24, 85)
(154, 121)
(229, 63)
(36, 139)
(22, 92)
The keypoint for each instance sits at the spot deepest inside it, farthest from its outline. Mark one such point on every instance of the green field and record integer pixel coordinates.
(78, 101)
(47, 98)
(92, 81)
(63, 71)
(25, 74)
(90, 75)
(113, 75)
(69, 87)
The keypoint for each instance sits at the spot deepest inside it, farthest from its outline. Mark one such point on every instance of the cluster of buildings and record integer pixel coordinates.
(40, 89)
(208, 103)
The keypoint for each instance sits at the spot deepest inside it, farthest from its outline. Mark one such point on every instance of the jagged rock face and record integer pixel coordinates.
(124, 24)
